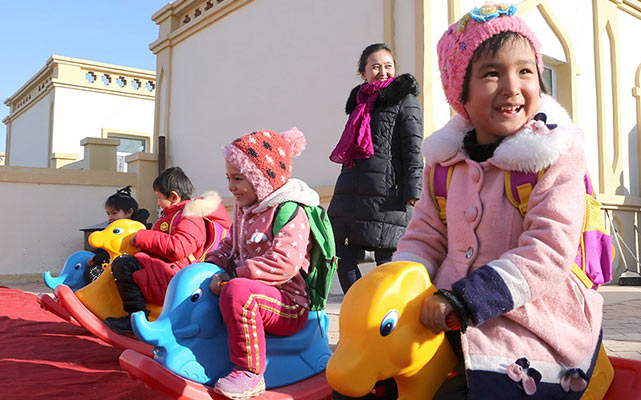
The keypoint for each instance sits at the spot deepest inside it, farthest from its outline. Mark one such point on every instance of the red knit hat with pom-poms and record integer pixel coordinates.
(265, 158)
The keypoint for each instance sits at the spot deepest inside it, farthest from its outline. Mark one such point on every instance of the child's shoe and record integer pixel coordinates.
(121, 325)
(240, 384)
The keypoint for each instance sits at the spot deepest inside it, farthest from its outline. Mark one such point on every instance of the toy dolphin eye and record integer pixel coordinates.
(77, 266)
(196, 295)
(118, 231)
(389, 322)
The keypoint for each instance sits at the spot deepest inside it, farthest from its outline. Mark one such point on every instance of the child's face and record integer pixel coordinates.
(379, 67)
(115, 214)
(504, 91)
(240, 187)
(166, 202)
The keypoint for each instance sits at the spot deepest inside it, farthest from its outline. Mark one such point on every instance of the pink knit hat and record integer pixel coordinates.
(458, 44)
(265, 158)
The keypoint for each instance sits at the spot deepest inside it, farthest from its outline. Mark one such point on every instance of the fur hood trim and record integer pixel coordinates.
(202, 206)
(401, 86)
(525, 151)
(293, 190)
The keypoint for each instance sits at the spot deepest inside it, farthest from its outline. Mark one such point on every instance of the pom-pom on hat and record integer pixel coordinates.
(265, 158)
(457, 45)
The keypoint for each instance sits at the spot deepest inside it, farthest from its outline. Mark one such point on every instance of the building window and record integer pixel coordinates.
(128, 145)
(549, 78)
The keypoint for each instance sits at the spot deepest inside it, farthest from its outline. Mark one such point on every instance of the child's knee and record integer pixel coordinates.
(124, 266)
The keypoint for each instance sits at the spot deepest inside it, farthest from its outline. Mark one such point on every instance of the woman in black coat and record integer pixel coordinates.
(382, 171)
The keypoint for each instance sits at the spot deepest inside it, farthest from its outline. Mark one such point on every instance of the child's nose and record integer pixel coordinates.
(511, 86)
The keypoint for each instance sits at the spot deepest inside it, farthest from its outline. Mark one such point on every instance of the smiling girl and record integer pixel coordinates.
(533, 328)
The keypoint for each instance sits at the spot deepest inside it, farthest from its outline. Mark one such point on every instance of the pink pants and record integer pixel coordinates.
(251, 308)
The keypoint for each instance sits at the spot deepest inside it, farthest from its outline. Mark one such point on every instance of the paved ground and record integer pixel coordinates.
(621, 322)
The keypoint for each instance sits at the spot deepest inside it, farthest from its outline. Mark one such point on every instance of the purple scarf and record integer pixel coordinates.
(356, 141)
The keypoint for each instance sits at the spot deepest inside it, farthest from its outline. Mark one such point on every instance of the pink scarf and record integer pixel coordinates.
(356, 141)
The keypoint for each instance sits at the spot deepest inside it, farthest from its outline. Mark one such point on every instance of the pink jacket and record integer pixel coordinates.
(515, 272)
(255, 253)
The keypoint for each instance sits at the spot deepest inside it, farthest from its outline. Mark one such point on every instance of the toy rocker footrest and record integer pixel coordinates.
(160, 378)
(93, 324)
(50, 304)
(627, 379)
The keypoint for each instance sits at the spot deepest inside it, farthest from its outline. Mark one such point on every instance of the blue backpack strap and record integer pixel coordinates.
(440, 178)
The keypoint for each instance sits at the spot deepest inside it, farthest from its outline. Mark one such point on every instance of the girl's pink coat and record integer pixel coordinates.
(256, 254)
(556, 321)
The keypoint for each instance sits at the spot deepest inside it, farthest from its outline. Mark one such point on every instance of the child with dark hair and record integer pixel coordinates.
(532, 326)
(120, 205)
(176, 240)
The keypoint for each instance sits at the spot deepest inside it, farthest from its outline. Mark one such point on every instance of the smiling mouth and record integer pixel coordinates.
(510, 110)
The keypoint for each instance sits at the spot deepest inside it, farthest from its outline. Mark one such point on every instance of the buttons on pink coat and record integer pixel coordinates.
(471, 213)
(475, 174)
(469, 253)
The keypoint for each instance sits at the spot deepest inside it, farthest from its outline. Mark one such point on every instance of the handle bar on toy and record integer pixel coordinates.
(452, 322)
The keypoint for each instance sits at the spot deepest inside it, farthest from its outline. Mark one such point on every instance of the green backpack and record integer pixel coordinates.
(323, 254)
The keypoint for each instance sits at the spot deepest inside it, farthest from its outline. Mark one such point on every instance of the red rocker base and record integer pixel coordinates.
(70, 302)
(157, 377)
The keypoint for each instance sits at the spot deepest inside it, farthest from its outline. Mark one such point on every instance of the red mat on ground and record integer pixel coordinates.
(45, 357)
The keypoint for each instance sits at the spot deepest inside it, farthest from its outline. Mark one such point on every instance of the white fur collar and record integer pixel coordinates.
(293, 190)
(203, 205)
(524, 151)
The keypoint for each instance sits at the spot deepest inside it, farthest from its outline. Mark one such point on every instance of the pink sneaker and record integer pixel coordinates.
(240, 384)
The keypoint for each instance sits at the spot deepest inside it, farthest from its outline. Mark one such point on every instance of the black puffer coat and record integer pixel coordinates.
(369, 208)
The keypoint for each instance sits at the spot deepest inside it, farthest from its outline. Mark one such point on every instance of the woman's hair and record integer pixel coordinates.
(489, 48)
(174, 179)
(369, 50)
(122, 200)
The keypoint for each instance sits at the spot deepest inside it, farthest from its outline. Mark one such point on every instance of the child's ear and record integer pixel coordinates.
(174, 197)
(129, 213)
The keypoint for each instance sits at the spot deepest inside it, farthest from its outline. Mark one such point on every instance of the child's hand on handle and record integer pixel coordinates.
(216, 284)
(433, 313)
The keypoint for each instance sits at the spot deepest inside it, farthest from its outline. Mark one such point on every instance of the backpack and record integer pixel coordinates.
(593, 262)
(214, 233)
(323, 262)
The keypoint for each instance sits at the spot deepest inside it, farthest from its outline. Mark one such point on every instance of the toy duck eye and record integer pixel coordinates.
(195, 296)
(389, 322)
(77, 266)
(118, 231)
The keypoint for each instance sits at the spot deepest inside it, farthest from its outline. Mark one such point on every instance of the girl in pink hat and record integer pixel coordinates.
(531, 328)
(267, 292)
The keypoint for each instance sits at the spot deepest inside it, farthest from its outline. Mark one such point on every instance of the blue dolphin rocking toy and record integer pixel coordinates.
(190, 337)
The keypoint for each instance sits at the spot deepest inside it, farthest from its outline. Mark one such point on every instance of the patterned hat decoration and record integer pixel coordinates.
(265, 158)
(457, 45)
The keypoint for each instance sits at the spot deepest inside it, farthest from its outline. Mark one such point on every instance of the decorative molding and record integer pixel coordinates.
(73, 73)
(178, 20)
(424, 62)
(147, 136)
(632, 7)
(605, 29)
(388, 24)
(50, 176)
(566, 71)
(636, 92)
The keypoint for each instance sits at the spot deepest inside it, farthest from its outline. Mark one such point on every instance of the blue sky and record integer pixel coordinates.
(114, 31)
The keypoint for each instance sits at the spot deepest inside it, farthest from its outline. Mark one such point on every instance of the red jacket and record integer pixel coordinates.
(175, 240)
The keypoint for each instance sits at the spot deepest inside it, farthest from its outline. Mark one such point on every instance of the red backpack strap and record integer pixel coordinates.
(440, 178)
(519, 186)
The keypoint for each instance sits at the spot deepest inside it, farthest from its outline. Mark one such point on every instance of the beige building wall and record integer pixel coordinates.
(31, 150)
(45, 208)
(223, 75)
